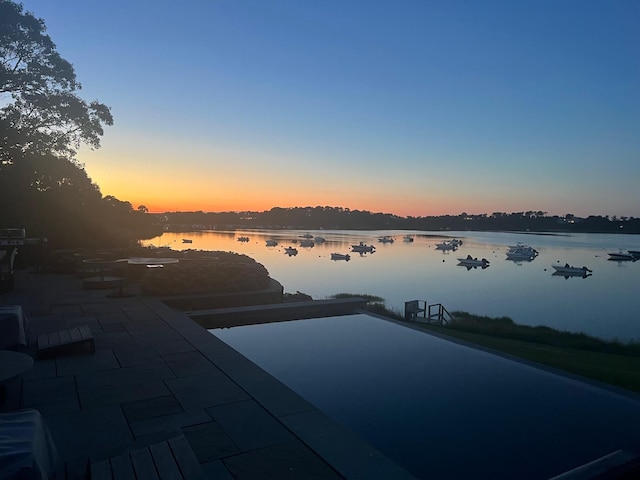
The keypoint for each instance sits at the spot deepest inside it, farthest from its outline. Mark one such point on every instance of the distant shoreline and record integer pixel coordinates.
(335, 218)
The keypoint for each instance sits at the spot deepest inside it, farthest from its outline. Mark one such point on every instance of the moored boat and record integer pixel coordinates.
(385, 239)
(340, 256)
(446, 245)
(567, 269)
(291, 251)
(407, 238)
(521, 251)
(271, 242)
(306, 243)
(520, 256)
(243, 239)
(470, 261)
(362, 248)
(187, 240)
(621, 256)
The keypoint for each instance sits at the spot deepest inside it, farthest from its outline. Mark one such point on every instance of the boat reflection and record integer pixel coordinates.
(571, 275)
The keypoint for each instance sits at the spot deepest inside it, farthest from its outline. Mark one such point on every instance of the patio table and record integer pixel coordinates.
(13, 364)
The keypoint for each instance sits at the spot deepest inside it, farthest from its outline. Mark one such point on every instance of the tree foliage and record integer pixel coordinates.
(43, 122)
(42, 111)
(346, 219)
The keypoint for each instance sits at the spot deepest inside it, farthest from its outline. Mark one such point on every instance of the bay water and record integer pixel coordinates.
(605, 304)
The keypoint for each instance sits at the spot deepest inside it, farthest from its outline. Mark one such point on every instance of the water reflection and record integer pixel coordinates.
(571, 275)
(605, 305)
(427, 403)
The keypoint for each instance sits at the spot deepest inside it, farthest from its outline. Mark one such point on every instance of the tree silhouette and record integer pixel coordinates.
(43, 122)
(43, 112)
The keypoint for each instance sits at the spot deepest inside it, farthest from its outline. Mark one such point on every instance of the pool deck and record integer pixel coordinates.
(156, 373)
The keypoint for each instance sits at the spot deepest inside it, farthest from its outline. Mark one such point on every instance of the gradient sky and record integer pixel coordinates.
(407, 107)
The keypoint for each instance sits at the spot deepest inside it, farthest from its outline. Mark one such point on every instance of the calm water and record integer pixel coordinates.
(605, 304)
(440, 409)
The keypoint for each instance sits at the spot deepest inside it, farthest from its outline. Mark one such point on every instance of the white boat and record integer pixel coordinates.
(407, 238)
(243, 239)
(521, 255)
(569, 270)
(362, 248)
(446, 245)
(522, 247)
(291, 251)
(470, 261)
(385, 239)
(306, 243)
(521, 252)
(340, 256)
(271, 242)
(620, 256)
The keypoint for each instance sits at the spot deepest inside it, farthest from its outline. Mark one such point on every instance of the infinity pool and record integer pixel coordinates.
(438, 408)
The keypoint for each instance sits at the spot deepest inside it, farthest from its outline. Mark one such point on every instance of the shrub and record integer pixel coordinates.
(210, 272)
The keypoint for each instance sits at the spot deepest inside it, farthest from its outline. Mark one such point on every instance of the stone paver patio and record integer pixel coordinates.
(156, 373)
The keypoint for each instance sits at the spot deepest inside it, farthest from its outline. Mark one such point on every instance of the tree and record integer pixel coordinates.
(43, 122)
(42, 111)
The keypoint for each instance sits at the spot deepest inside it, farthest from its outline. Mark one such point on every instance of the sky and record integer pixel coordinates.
(409, 107)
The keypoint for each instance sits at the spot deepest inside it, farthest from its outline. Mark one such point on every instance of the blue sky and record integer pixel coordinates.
(406, 107)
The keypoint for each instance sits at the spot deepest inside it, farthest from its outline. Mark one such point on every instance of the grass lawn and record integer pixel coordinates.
(610, 362)
(615, 369)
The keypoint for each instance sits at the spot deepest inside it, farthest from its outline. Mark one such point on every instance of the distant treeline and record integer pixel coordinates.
(338, 218)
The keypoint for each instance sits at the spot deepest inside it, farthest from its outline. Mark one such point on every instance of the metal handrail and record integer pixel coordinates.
(420, 309)
(442, 315)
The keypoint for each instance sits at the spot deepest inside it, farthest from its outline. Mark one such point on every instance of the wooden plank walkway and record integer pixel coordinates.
(169, 460)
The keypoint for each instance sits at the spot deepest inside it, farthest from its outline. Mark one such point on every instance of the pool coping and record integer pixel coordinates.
(348, 453)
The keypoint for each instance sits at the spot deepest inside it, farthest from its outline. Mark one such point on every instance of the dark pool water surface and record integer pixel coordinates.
(438, 408)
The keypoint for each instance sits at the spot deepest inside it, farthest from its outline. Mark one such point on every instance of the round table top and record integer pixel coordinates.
(13, 364)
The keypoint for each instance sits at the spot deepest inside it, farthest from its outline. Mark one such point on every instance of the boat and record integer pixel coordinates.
(187, 240)
(291, 251)
(306, 243)
(385, 239)
(521, 251)
(446, 245)
(569, 270)
(271, 242)
(243, 239)
(470, 261)
(407, 238)
(622, 256)
(635, 253)
(306, 235)
(340, 256)
(519, 245)
(521, 255)
(319, 239)
(362, 248)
